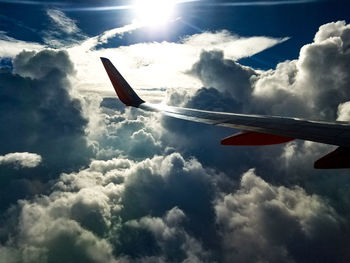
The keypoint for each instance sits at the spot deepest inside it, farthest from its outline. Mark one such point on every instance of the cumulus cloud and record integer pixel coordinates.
(259, 219)
(224, 75)
(172, 239)
(344, 111)
(301, 87)
(24, 159)
(319, 73)
(102, 215)
(48, 121)
(140, 61)
(157, 192)
(298, 88)
(171, 209)
(285, 164)
(265, 223)
(38, 65)
(38, 94)
(116, 131)
(71, 223)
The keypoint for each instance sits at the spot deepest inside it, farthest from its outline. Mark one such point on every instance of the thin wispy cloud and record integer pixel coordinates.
(63, 30)
(24, 2)
(263, 3)
(196, 2)
(99, 8)
(62, 21)
(140, 61)
(113, 7)
(103, 38)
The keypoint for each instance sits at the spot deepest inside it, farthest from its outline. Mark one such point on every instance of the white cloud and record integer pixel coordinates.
(344, 111)
(146, 66)
(157, 65)
(260, 222)
(21, 160)
(164, 204)
(43, 99)
(63, 22)
(169, 232)
(303, 87)
(314, 86)
(333, 29)
(83, 214)
(10, 47)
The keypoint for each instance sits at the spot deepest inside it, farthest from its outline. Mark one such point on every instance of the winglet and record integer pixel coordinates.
(125, 93)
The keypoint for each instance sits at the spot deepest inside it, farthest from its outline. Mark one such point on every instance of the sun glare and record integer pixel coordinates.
(154, 13)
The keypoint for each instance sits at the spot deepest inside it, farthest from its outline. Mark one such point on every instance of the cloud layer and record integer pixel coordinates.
(265, 223)
(39, 115)
(131, 186)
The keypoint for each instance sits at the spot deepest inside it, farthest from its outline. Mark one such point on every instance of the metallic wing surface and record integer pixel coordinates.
(256, 129)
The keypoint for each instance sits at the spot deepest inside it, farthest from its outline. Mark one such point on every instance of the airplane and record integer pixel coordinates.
(256, 130)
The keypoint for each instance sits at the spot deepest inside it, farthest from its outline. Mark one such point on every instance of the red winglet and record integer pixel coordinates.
(125, 93)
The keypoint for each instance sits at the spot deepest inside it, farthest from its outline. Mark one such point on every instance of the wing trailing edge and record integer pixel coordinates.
(257, 129)
(245, 138)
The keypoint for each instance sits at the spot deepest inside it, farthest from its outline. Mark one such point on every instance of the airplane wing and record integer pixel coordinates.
(256, 129)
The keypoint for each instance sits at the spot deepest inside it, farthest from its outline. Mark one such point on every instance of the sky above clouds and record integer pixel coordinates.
(85, 179)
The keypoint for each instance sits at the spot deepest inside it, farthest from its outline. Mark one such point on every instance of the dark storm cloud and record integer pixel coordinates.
(120, 210)
(38, 115)
(38, 65)
(225, 75)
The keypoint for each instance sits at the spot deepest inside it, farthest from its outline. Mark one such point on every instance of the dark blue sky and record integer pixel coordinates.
(299, 21)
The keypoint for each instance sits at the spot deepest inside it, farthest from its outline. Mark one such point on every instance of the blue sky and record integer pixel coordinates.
(297, 20)
(85, 179)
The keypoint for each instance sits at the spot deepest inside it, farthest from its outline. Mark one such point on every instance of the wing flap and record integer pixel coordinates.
(254, 139)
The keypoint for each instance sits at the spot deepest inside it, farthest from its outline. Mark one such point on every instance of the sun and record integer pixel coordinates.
(154, 13)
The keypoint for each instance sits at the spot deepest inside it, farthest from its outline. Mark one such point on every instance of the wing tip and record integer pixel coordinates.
(124, 92)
